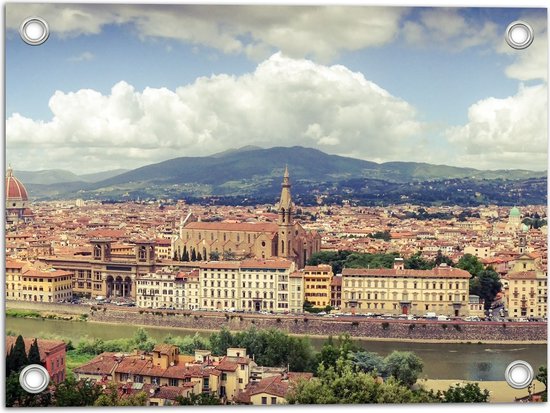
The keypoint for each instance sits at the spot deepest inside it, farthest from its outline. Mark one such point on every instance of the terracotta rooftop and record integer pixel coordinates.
(229, 226)
(45, 347)
(272, 263)
(448, 272)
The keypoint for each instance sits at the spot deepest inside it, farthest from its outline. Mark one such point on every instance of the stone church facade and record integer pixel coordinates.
(284, 238)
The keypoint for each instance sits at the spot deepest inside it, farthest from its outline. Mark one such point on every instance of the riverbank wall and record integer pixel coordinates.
(310, 325)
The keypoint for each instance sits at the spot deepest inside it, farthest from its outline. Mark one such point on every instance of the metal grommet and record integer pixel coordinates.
(519, 35)
(34, 378)
(519, 374)
(34, 31)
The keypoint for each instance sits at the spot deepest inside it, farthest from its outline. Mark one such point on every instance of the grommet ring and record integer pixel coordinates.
(519, 374)
(34, 31)
(519, 35)
(34, 378)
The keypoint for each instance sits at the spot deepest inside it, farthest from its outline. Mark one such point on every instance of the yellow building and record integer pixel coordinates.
(317, 282)
(271, 390)
(443, 290)
(26, 283)
(527, 289)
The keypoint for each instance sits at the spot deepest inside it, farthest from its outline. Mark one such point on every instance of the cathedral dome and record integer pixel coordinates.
(15, 190)
(514, 212)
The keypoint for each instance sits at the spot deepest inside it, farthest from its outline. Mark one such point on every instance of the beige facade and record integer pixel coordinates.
(527, 295)
(265, 240)
(187, 288)
(478, 251)
(26, 283)
(156, 290)
(297, 291)
(443, 290)
(317, 282)
(249, 285)
(107, 272)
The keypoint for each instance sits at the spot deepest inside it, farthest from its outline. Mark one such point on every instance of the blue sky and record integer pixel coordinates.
(126, 86)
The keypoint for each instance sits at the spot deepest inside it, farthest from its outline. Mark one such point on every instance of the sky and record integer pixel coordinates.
(122, 86)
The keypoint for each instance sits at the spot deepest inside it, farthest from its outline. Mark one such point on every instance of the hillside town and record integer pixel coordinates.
(170, 255)
(167, 255)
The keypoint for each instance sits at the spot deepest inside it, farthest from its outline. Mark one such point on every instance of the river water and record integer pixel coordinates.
(480, 362)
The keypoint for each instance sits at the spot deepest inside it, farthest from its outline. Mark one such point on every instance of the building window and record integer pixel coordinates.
(273, 400)
(264, 400)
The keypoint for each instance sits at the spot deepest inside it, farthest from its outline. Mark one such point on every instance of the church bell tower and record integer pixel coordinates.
(285, 220)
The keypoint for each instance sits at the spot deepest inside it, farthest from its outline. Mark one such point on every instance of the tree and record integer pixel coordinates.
(185, 254)
(342, 384)
(34, 353)
(142, 341)
(471, 264)
(381, 235)
(199, 256)
(228, 256)
(334, 258)
(72, 393)
(220, 342)
(486, 285)
(468, 393)
(416, 262)
(442, 259)
(404, 366)
(332, 350)
(175, 257)
(542, 376)
(18, 355)
(193, 254)
(368, 362)
(202, 399)
(9, 361)
(17, 397)
(214, 256)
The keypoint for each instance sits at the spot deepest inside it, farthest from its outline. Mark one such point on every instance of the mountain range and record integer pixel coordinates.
(248, 171)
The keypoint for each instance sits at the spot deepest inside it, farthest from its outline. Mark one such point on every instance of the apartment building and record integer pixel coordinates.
(443, 290)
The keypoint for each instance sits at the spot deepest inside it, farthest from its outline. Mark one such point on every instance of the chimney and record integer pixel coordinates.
(399, 264)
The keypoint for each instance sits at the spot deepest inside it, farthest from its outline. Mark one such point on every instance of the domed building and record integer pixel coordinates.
(17, 200)
(514, 220)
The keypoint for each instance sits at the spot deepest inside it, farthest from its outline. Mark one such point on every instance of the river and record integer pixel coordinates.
(479, 362)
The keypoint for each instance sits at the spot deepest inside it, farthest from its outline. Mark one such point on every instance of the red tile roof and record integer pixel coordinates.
(229, 226)
(45, 347)
(448, 272)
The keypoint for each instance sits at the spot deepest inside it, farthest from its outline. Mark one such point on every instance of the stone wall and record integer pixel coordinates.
(311, 325)
(317, 326)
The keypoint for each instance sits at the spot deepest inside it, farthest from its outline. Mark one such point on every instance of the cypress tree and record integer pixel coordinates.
(193, 255)
(34, 353)
(185, 255)
(9, 361)
(199, 257)
(19, 355)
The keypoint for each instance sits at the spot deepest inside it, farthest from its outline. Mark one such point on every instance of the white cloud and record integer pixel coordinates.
(284, 102)
(256, 31)
(448, 28)
(530, 63)
(506, 133)
(83, 57)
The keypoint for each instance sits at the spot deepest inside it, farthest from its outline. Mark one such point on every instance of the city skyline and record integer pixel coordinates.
(131, 87)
